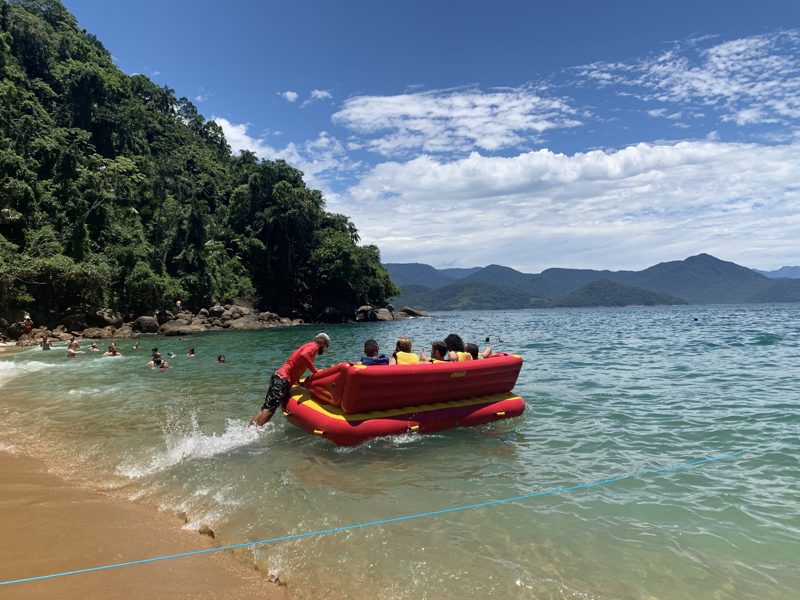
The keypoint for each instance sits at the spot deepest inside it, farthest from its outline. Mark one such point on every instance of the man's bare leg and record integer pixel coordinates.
(264, 415)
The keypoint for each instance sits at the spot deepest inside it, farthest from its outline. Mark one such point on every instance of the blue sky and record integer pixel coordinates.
(530, 134)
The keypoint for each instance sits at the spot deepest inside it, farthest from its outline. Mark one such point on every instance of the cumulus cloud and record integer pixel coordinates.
(627, 208)
(321, 160)
(289, 96)
(752, 80)
(453, 121)
(316, 96)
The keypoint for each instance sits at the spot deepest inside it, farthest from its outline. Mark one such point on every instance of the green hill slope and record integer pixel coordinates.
(115, 192)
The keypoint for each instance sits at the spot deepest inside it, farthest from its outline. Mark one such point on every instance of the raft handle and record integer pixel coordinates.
(502, 413)
(319, 432)
(413, 427)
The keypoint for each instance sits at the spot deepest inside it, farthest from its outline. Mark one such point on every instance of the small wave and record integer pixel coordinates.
(193, 444)
(10, 370)
(766, 339)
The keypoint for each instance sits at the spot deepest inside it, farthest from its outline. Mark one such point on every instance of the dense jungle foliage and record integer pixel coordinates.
(113, 192)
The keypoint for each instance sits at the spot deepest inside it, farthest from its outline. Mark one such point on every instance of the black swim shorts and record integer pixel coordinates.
(278, 392)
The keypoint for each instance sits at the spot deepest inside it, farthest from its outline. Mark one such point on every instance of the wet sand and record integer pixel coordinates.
(49, 525)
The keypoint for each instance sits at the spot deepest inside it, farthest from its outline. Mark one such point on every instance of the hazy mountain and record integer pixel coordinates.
(603, 292)
(404, 274)
(701, 279)
(467, 296)
(790, 272)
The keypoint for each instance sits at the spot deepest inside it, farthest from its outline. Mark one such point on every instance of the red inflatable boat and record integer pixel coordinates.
(351, 403)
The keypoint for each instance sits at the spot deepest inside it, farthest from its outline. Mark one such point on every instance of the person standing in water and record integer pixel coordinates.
(280, 384)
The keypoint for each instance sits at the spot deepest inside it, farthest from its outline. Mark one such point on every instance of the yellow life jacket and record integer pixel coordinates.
(406, 358)
(462, 356)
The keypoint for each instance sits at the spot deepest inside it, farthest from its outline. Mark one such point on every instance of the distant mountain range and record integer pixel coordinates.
(701, 279)
(790, 272)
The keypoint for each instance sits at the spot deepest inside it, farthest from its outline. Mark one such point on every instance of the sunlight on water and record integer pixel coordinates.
(610, 392)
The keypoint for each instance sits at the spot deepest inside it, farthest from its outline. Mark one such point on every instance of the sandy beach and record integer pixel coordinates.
(51, 526)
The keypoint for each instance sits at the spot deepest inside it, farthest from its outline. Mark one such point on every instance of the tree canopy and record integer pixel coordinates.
(114, 192)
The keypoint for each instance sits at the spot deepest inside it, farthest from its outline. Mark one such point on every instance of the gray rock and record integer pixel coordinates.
(123, 332)
(384, 314)
(216, 311)
(413, 312)
(145, 324)
(110, 317)
(179, 327)
(366, 313)
(99, 333)
(247, 322)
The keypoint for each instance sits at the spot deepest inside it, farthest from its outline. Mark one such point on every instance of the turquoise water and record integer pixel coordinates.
(609, 392)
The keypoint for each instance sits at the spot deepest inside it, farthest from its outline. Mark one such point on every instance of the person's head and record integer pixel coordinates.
(221, 358)
(371, 348)
(157, 361)
(323, 341)
(472, 349)
(438, 350)
(454, 343)
(403, 345)
(191, 350)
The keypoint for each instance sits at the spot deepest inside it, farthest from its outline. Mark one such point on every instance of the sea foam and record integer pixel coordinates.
(193, 444)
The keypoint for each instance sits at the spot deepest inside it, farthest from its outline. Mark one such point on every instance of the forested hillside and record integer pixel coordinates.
(114, 192)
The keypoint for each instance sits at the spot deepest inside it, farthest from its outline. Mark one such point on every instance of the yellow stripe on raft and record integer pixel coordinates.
(334, 412)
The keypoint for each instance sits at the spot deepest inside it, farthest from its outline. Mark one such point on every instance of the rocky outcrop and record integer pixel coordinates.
(370, 313)
(108, 317)
(413, 312)
(145, 325)
(384, 314)
(366, 313)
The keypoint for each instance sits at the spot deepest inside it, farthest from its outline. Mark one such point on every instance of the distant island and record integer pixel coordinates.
(701, 279)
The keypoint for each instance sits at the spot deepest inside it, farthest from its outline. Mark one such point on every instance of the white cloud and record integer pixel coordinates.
(453, 121)
(289, 95)
(627, 208)
(748, 80)
(321, 159)
(316, 96)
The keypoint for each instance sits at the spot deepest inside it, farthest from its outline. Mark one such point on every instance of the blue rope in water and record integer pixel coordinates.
(568, 488)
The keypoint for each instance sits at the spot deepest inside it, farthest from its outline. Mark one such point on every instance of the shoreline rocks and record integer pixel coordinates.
(109, 324)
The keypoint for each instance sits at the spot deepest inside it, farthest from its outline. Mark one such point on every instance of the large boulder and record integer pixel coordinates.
(384, 314)
(179, 327)
(123, 332)
(366, 313)
(107, 316)
(99, 333)
(216, 311)
(413, 312)
(145, 324)
(247, 322)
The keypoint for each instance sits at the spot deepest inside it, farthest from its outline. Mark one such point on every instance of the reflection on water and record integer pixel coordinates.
(610, 392)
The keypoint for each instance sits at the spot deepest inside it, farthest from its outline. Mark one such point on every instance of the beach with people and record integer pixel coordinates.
(178, 446)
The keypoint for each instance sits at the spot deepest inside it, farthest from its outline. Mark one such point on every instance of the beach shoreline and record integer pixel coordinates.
(53, 526)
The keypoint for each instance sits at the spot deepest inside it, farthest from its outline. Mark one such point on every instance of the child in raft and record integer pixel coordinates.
(402, 354)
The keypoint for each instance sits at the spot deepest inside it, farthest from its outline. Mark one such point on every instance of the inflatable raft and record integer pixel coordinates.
(348, 404)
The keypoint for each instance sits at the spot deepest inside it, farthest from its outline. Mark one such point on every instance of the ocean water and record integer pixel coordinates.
(610, 392)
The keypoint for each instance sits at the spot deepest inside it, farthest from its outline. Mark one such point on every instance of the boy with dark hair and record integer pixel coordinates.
(371, 356)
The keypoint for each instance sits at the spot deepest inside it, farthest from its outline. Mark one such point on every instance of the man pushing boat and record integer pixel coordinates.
(281, 382)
